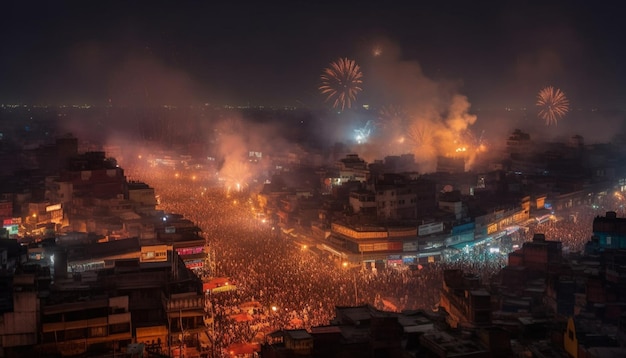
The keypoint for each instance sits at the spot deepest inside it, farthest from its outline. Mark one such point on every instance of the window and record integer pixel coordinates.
(119, 328)
(71, 334)
(97, 331)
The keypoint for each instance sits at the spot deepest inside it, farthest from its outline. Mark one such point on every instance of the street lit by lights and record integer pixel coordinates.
(274, 308)
(344, 264)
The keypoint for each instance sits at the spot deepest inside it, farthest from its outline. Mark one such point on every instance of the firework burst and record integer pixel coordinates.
(391, 115)
(341, 82)
(420, 137)
(420, 134)
(362, 134)
(553, 105)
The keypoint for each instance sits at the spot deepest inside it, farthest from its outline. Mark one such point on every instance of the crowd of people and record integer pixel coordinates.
(283, 285)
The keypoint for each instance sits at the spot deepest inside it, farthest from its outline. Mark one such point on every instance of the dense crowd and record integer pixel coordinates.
(281, 285)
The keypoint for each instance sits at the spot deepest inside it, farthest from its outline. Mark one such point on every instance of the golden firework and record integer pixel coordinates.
(341, 82)
(553, 105)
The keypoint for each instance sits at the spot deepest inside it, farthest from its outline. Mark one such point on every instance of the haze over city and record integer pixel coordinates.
(434, 78)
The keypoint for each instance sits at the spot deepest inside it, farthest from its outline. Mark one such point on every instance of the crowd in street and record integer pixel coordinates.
(294, 287)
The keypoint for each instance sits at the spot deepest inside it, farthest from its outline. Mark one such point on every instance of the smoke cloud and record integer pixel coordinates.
(416, 114)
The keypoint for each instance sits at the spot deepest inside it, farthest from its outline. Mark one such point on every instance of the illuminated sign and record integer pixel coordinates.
(190, 250)
(194, 264)
(156, 253)
(12, 229)
(409, 246)
(428, 229)
(12, 221)
(54, 207)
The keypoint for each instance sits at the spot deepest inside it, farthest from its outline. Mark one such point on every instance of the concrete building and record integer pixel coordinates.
(93, 175)
(19, 323)
(610, 231)
(93, 325)
(537, 255)
(466, 303)
(352, 168)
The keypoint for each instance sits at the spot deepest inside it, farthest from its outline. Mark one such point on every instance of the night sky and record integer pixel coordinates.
(497, 53)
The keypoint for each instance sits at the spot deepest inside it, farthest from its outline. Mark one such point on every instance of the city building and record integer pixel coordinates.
(466, 303)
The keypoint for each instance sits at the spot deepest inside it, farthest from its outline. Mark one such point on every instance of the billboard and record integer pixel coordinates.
(409, 246)
(428, 229)
(155, 253)
(54, 207)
